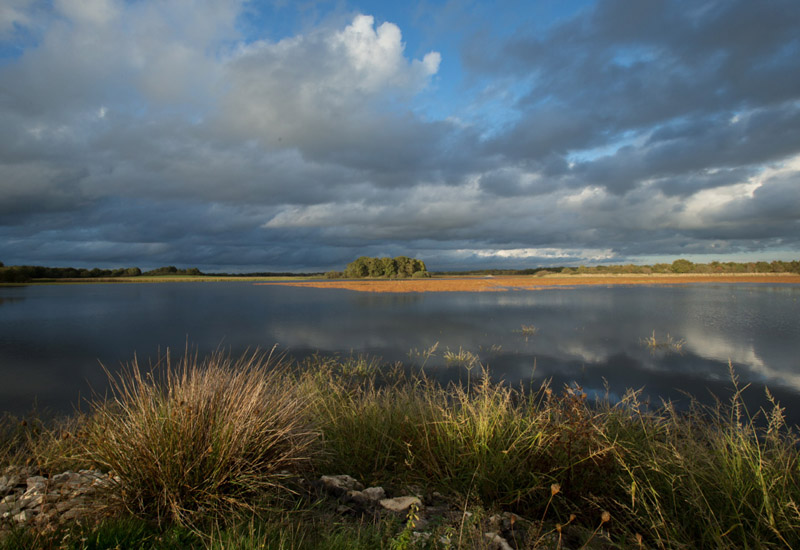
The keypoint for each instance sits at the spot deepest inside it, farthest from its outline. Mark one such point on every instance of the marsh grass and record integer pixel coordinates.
(669, 343)
(710, 477)
(528, 330)
(41, 443)
(461, 358)
(715, 475)
(197, 439)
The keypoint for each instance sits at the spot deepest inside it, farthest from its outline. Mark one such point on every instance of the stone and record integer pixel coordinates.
(59, 479)
(421, 537)
(68, 504)
(36, 483)
(496, 542)
(374, 493)
(400, 504)
(340, 484)
(366, 498)
(30, 500)
(24, 516)
(9, 504)
(74, 513)
(8, 482)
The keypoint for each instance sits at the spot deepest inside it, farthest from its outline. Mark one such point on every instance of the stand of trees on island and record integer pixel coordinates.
(388, 268)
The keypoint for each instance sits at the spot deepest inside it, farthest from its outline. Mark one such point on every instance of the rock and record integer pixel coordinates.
(421, 524)
(30, 500)
(68, 504)
(36, 483)
(339, 485)
(74, 513)
(63, 497)
(9, 481)
(421, 537)
(24, 516)
(400, 504)
(367, 498)
(374, 493)
(496, 542)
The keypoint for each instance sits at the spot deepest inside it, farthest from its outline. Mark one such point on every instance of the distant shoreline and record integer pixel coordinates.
(503, 283)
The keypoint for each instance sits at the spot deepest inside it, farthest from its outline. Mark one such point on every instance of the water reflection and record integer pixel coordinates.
(51, 338)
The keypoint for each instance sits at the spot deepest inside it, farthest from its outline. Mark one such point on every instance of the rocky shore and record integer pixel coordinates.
(42, 501)
(46, 502)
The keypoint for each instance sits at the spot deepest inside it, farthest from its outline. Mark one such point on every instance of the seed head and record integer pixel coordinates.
(605, 517)
(554, 489)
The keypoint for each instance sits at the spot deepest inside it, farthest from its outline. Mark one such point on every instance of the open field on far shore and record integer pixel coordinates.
(512, 282)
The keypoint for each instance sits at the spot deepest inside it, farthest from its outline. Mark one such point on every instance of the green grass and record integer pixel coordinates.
(200, 441)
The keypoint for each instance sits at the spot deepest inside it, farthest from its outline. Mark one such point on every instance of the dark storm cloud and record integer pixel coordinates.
(634, 66)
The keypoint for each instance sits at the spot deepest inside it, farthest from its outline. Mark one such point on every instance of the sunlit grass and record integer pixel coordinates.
(667, 343)
(201, 441)
(200, 438)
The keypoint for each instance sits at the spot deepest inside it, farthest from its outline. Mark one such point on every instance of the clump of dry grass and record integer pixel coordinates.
(200, 438)
(461, 358)
(669, 343)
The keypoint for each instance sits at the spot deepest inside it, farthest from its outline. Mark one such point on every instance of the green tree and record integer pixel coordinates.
(389, 267)
(401, 266)
(682, 266)
(357, 269)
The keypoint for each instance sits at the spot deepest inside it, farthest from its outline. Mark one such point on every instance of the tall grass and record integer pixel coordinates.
(710, 477)
(716, 476)
(199, 438)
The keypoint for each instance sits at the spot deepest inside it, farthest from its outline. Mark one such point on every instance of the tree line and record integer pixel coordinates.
(26, 273)
(389, 268)
(679, 266)
(682, 265)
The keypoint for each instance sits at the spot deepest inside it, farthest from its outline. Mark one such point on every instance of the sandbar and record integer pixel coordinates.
(508, 283)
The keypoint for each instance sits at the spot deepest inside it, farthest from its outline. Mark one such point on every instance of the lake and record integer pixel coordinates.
(53, 338)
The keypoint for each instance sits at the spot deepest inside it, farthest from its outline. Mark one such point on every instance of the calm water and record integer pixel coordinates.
(53, 338)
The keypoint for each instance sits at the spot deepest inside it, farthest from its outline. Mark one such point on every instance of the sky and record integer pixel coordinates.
(296, 136)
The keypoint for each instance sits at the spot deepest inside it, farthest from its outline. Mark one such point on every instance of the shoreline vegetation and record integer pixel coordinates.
(223, 452)
(392, 269)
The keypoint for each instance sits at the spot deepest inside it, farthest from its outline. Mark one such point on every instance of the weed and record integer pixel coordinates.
(668, 344)
(461, 358)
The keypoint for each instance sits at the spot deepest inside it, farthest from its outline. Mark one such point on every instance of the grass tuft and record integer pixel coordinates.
(200, 438)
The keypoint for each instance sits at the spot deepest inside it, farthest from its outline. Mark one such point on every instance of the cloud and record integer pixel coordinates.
(335, 96)
(188, 131)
